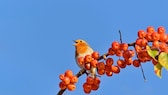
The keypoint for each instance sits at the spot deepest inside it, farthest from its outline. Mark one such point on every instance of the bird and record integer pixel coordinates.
(82, 49)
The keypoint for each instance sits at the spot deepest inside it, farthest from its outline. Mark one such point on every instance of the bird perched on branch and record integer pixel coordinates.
(82, 49)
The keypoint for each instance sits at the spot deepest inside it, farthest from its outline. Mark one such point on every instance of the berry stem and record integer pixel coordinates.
(143, 74)
(120, 36)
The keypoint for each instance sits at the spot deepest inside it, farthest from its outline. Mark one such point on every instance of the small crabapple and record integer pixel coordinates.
(115, 45)
(68, 73)
(71, 87)
(95, 55)
(115, 69)
(109, 61)
(141, 33)
(121, 63)
(136, 63)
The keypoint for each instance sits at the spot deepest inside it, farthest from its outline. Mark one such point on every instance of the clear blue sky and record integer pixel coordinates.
(36, 43)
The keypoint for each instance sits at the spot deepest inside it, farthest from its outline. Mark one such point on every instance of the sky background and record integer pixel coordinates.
(36, 43)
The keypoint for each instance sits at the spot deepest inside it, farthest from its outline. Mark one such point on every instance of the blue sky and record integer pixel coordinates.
(36, 43)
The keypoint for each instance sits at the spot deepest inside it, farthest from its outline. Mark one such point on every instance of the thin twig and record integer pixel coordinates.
(143, 74)
(120, 36)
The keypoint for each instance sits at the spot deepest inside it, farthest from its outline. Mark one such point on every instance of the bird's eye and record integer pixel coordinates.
(81, 41)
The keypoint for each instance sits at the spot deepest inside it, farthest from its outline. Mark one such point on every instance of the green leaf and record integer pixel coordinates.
(152, 53)
(163, 59)
(158, 70)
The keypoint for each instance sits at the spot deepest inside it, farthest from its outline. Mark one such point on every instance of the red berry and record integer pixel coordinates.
(149, 36)
(161, 30)
(95, 55)
(109, 61)
(61, 76)
(68, 73)
(109, 73)
(118, 53)
(121, 63)
(111, 51)
(71, 87)
(138, 42)
(163, 38)
(80, 61)
(136, 63)
(107, 68)
(87, 66)
(73, 79)
(87, 88)
(128, 54)
(150, 29)
(101, 71)
(62, 85)
(124, 46)
(115, 69)
(144, 42)
(155, 36)
(87, 91)
(101, 65)
(115, 45)
(141, 33)
(94, 63)
(163, 46)
(88, 58)
(95, 86)
(155, 44)
(89, 80)
(66, 80)
(128, 61)
(96, 80)
(138, 48)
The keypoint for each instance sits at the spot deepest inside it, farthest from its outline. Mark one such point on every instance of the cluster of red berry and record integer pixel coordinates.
(121, 50)
(91, 84)
(89, 61)
(68, 80)
(157, 39)
(107, 67)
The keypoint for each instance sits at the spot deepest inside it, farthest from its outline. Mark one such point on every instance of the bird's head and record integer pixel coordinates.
(80, 43)
(81, 46)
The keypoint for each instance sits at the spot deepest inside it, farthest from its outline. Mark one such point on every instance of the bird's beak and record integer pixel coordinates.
(74, 43)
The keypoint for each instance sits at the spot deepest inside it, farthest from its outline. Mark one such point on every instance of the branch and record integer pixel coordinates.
(131, 44)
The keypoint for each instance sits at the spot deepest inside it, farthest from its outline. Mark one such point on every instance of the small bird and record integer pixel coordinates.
(82, 49)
